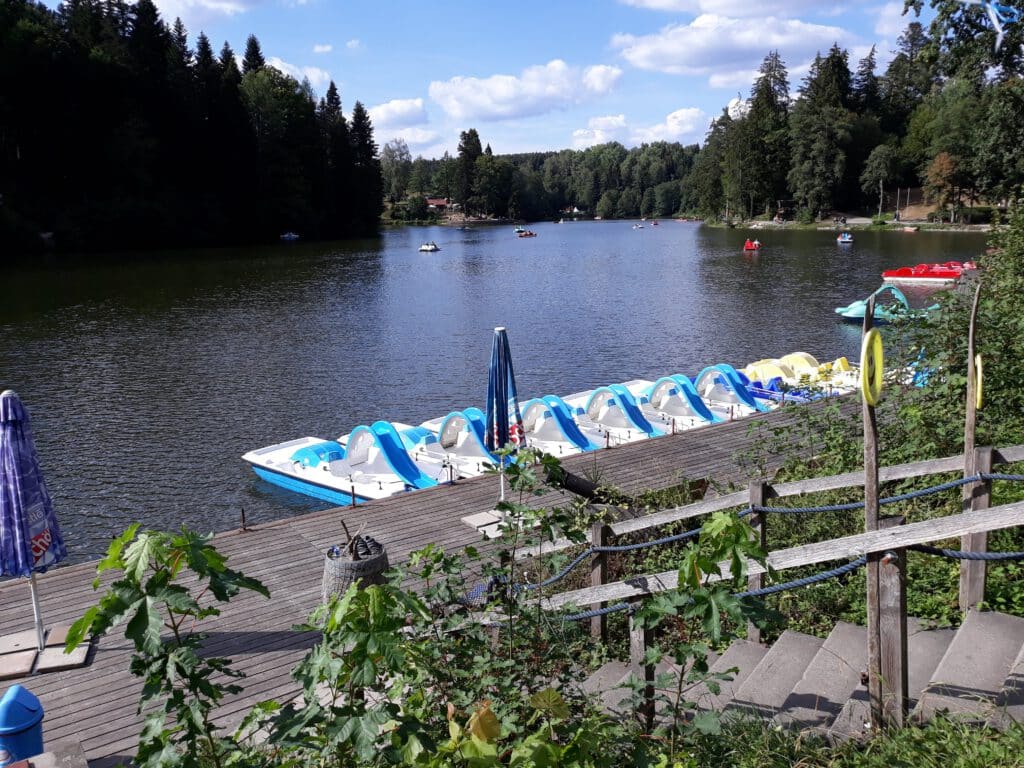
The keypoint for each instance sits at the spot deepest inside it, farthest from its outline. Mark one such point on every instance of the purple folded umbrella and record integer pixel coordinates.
(30, 539)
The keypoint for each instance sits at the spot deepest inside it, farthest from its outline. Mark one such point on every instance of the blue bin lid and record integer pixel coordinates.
(19, 710)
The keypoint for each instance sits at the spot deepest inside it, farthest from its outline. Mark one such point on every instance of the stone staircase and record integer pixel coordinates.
(805, 683)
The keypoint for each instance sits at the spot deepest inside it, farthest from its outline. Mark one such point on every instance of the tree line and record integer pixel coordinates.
(116, 133)
(940, 117)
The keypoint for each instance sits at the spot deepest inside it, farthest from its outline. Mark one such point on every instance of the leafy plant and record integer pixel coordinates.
(181, 685)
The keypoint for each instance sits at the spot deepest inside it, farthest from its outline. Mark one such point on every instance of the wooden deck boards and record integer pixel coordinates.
(96, 705)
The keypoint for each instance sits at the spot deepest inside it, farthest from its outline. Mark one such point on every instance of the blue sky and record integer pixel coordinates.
(534, 75)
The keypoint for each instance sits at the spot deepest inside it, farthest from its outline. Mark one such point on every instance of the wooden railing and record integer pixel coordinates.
(884, 549)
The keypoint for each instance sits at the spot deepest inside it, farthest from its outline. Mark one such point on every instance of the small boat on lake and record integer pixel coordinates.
(752, 245)
(289, 237)
(429, 247)
(527, 233)
(845, 237)
(928, 274)
(890, 304)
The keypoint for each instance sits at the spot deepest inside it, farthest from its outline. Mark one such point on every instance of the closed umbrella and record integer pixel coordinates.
(30, 540)
(504, 419)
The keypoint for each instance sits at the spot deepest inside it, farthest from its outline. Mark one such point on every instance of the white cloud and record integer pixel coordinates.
(600, 130)
(197, 11)
(719, 47)
(687, 126)
(398, 113)
(537, 90)
(416, 138)
(323, 48)
(317, 77)
(891, 21)
(354, 44)
(735, 8)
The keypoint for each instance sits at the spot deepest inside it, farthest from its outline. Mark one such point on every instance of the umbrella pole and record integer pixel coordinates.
(36, 612)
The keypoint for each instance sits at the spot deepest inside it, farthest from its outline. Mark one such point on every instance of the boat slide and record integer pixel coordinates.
(674, 400)
(457, 439)
(550, 427)
(722, 388)
(614, 410)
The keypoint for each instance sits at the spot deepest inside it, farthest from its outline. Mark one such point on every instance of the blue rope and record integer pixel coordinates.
(807, 580)
(847, 507)
(958, 554)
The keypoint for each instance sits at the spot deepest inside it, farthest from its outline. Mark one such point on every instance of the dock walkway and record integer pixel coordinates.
(96, 705)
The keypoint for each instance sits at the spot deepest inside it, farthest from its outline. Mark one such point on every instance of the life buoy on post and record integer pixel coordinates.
(872, 365)
(978, 381)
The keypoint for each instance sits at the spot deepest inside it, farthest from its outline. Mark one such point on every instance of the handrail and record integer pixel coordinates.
(1008, 455)
(870, 542)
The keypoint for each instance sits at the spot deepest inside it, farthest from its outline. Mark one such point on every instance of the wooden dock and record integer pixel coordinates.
(96, 705)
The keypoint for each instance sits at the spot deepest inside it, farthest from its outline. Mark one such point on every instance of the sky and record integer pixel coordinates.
(536, 75)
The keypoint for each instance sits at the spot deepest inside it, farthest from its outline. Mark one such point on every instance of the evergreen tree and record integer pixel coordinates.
(866, 91)
(820, 130)
(253, 59)
(366, 177)
(469, 151)
(768, 132)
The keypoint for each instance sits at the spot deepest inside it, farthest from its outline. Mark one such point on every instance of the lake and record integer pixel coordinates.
(148, 376)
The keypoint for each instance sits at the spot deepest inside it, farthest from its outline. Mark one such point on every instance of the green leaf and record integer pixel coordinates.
(146, 549)
(551, 703)
(707, 722)
(145, 626)
(113, 557)
(79, 628)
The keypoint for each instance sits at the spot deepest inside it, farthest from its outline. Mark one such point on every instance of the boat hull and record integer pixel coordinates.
(307, 488)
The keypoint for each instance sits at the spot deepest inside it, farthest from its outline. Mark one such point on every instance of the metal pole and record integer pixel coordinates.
(40, 635)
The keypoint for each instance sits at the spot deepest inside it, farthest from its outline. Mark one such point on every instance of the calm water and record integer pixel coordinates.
(148, 377)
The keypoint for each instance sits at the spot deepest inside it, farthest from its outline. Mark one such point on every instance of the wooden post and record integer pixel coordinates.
(600, 535)
(888, 686)
(759, 491)
(976, 496)
(871, 524)
(640, 639)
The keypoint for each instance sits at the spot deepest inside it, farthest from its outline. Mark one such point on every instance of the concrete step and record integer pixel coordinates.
(829, 680)
(766, 688)
(925, 648)
(742, 655)
(605, 683)
(970, 678)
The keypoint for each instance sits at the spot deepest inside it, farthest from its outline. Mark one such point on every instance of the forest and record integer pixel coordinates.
(116, 132)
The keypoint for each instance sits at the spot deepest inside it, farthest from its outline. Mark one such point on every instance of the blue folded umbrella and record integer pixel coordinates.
(30, 538)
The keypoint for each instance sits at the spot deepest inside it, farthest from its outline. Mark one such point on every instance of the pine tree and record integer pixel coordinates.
(366, 176)
(768, 132)
(253, 59)
(866, 92)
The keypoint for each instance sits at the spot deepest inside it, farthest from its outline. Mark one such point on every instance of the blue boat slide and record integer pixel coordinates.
(676, 397)
(615, 409)
(550, 427)
(722, 388)
(373, 463)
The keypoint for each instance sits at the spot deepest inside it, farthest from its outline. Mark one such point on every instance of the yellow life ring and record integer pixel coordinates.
(978, 379)
(872, 362)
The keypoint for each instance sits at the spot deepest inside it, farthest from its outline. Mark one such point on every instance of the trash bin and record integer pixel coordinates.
(341, 568)
(21, 725)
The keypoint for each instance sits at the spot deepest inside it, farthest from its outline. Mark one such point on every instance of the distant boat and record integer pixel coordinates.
(289, 237)
(429, 247)
(638, 226)
(654, 223)
(845, 237)
(527, 233)
(519, 229)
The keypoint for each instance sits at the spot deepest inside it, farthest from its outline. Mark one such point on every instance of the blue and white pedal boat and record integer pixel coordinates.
(373, 463)
(458, 441)
(614, 412)
(550, 426)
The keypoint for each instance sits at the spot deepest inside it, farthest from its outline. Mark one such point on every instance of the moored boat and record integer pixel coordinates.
(890, 304)
(928, 274)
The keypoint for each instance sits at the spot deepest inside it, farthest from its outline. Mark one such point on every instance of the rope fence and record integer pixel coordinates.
(846, 507)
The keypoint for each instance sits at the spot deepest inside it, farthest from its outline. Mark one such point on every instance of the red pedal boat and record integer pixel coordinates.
(928, 274)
